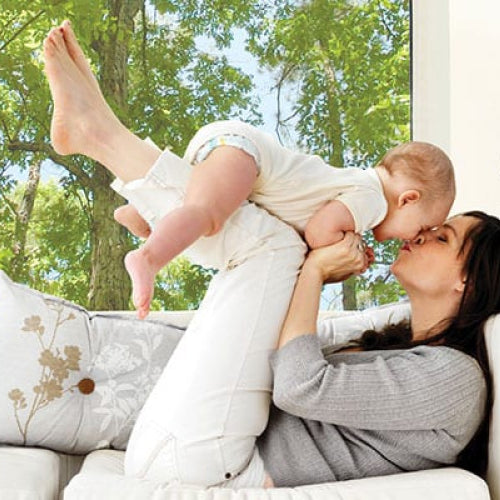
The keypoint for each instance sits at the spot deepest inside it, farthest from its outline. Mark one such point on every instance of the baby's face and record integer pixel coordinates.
(407, 221)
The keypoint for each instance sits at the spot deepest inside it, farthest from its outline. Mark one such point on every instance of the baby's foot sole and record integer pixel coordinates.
(142, 276)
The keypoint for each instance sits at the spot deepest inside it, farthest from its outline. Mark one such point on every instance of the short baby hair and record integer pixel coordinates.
(426, 164)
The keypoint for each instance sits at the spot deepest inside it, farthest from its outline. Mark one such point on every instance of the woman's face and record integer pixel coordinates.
(432, 264)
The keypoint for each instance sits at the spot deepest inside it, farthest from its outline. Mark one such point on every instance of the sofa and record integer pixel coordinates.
(65, 436)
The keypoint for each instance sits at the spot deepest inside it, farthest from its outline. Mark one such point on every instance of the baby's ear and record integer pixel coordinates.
(408, 196)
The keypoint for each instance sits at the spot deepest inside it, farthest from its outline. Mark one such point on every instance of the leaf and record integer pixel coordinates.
(106, 422)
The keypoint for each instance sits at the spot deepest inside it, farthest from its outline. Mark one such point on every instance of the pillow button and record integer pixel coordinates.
(86, 386)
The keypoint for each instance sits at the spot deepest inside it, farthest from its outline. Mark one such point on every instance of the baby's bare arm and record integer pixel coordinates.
(328, 225)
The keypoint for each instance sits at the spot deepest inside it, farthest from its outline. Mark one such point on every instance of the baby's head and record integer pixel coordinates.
(419, 185)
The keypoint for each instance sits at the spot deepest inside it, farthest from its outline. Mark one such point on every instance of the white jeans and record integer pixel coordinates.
(200, 422)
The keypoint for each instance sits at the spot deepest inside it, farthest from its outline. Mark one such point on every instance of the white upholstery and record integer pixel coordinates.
(102, 477)
(28, 474)
(492, 333)
(73, 381)
(36, 474)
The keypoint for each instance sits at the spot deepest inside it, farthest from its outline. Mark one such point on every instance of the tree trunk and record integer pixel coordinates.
(19, 272)
(349, 299)
(336, 159)
(110, 284)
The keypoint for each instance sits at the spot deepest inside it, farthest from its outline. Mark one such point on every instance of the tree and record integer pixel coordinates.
(342, 65)
(23, 216)
(344, 68)
(153, 74)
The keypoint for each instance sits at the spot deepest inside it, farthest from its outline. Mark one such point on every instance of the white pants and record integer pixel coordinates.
(200, 422)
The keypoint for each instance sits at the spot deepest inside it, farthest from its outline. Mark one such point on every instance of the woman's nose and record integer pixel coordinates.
(420, 239)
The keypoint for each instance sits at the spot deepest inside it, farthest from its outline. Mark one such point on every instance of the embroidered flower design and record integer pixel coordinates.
(18, 398)
(116, 358)
(55, 369)
(33, 324)
(49, 390)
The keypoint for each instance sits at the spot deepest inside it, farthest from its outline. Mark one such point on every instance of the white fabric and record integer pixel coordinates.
(69, 466)
(340, 327)
(102, 477)
(236, 141)
(293, 185)
(492, 332)
(200, 422)
(28, 474)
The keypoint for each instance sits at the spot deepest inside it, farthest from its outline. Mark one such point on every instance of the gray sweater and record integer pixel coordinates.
(359, 414)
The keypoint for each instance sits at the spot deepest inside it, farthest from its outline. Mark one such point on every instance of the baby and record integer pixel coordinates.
(412, 189)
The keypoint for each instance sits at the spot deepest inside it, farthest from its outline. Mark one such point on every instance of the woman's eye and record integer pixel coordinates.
(442, 238)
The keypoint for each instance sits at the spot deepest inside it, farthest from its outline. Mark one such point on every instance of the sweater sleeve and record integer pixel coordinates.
(422, 388)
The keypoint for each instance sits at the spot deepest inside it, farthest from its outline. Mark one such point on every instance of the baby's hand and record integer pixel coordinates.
(341, 260)
(128, 216)
(369, 254)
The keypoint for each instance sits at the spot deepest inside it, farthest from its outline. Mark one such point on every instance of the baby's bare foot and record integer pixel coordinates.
(129, 217)
(81, 116)
(142, 275)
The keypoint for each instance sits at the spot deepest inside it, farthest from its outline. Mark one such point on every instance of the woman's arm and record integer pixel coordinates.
(416, 389)
(329, 264)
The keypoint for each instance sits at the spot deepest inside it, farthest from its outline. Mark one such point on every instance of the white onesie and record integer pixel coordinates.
(293, 185)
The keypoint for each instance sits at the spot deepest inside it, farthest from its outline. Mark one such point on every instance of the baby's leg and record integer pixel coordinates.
(216, 188)
(128, 216)
(82, 121)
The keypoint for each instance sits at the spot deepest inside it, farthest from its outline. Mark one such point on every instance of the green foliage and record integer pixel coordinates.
(181, 286)
(172, 88)
(58, 253)
(344, 68)
(378, 286)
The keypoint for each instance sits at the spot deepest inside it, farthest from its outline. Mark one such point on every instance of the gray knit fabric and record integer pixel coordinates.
(362, 414)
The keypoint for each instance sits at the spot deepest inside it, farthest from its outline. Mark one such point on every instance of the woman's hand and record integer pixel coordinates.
(343, 259)
(323, 265)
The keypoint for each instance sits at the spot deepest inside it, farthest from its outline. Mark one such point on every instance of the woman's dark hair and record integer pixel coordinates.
(465, 331)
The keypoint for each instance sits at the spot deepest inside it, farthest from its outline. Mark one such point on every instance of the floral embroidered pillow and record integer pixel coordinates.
(70, 380)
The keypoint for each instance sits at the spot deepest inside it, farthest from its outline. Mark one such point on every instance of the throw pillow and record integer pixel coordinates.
(70, 380)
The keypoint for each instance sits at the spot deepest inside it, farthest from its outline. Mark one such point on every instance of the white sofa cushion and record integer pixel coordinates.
(102, 473)
(73, 381)
(492, 332)
(28, 474)
(338, 327)
(102, 477)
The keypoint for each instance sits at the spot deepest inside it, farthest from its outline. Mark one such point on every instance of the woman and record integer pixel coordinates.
(200, 424)
(422, 400)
